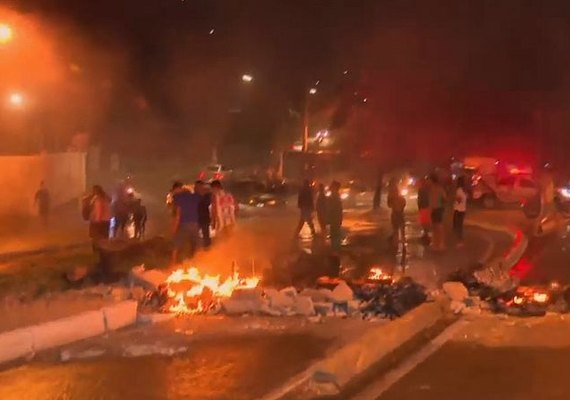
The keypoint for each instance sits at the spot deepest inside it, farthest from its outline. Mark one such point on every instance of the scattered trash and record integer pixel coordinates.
(67, 355)
(139, 350)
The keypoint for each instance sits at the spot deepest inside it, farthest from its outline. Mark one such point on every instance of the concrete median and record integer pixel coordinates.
(120, 315)
(68, 330)
(16, 344)
(348, 362)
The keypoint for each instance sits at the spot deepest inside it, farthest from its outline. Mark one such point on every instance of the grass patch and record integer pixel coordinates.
(35, 275)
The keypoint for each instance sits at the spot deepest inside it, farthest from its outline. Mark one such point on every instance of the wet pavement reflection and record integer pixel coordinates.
(229, 368)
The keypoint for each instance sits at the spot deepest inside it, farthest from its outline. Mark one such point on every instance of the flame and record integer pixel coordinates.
(377, 274)
(189, 290)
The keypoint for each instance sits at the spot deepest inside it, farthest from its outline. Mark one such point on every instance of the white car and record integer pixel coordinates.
(511, 189)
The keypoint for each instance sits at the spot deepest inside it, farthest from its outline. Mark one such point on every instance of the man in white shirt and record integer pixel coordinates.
(459, 209)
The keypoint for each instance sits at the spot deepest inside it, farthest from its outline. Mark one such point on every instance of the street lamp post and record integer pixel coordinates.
(312, 91)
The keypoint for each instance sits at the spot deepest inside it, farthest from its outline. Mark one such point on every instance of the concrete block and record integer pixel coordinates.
(16, 344)
(278, 300)
(149, 279)
(120, 315)
(342, 293)
(317, 295)
(67, 330)
(456, 291)
(304, 306)
(233, 306)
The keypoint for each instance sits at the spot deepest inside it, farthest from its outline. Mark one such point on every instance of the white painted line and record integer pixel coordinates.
(378, 388)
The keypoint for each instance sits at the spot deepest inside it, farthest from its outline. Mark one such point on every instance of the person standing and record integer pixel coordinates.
(139, 218)
(99, 216)
(43, 202)
(459, 209)
(306, 206)
(397, 204)
(185, 225)
(334, 215)
(424, 212)
(321, 208)
(204, 219)
(224, 209)
(437, 200)
(378, 192)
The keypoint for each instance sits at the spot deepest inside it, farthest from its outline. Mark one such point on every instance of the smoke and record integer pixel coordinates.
(66, 81)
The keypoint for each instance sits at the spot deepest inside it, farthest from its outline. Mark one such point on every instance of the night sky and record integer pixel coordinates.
(449, 71)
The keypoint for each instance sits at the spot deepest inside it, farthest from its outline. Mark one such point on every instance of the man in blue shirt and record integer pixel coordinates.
(185, 204)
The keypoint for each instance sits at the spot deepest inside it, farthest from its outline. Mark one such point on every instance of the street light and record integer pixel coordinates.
(312, 91)
(6, 33)
(16, 99)
(247, 78)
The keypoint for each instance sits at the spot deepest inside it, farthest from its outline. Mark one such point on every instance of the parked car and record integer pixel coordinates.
(510, 189)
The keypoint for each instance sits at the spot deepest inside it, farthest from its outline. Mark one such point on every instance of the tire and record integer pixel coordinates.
(489, 201)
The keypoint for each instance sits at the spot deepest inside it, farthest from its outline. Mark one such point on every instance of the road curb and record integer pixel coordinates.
(517, 248)
(24, 342)
(349, 361)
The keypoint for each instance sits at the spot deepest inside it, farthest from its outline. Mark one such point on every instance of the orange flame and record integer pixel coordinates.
(186, 286)
(377, 274)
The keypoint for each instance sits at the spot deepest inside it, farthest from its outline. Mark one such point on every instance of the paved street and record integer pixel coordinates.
(547, 259)
(496, 359)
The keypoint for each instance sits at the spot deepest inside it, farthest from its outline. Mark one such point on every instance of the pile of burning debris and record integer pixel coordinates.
(187, 291)
(469, 295)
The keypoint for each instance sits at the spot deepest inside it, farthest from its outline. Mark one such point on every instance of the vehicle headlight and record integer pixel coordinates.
(344, 196)
(565, 192)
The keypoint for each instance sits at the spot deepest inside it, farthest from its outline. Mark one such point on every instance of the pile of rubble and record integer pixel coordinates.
(328, 297)
(470, 296)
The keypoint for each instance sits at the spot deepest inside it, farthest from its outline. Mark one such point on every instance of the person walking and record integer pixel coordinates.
(378, 192)
(459, 209)
(185, 224)
(140, 217)
(42, 201)
(321, 208)
(334, 215)
(224, 209)
(204, 219)
(397, 204)
(306, 207)
(99, 216)
(424, 212)
(437, 200)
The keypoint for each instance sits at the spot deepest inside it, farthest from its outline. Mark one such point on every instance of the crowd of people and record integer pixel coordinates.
(196, 212)
(432, 201)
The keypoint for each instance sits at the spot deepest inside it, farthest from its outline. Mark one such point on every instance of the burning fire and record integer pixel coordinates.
(377, 274)
(192, 293)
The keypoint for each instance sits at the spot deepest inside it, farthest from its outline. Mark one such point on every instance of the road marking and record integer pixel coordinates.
(377, 389)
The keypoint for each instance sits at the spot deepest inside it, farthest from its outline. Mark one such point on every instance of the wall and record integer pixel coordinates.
(20, 176)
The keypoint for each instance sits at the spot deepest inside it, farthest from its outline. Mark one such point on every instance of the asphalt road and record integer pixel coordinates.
(547, 259)
(237, 368)
(494, 359)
